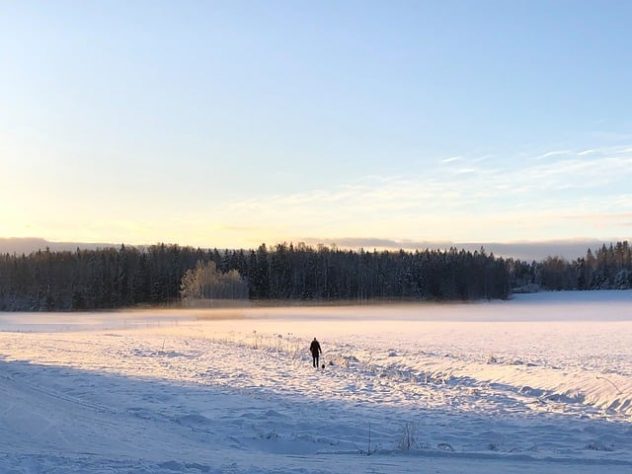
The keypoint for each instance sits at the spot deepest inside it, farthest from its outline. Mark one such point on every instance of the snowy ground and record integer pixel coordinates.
(542, 383)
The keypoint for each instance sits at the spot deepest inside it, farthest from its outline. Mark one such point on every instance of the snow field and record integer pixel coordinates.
(206, 394)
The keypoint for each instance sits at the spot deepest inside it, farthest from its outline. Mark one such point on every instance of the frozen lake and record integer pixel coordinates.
(541, 383)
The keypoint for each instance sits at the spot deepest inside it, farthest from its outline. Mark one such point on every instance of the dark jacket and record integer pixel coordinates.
(315, 348)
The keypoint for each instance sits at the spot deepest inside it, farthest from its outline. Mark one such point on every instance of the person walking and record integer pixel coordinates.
(315, 349)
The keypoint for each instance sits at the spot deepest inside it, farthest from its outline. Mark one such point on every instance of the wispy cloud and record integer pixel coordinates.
(452, 159)
(575, 194)
(479, 201)
(550, 154)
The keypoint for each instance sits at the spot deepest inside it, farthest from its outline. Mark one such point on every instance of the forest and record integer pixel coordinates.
(162, 274)
(128, 276)
(608, 267)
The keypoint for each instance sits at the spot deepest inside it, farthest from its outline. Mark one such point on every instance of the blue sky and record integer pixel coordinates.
(231, 123)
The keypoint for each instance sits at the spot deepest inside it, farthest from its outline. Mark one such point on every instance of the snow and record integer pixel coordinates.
(541, 383)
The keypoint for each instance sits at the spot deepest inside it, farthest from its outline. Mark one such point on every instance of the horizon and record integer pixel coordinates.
(239, 123)
(569, 249)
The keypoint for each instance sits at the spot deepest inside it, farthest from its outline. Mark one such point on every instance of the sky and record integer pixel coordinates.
(233, 123)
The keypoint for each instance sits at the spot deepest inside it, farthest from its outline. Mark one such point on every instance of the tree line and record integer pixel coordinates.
(608, 267)
(161, 274)
(128, 276)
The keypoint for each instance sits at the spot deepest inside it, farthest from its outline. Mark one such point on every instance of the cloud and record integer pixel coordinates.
(452, 159)
(375, 242)
(478, 201)
(552, 153)
(535, 250)
(569, 249)
(468, 201)
(603, 220)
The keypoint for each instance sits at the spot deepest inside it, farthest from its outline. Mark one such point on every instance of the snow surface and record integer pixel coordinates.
(542, 383)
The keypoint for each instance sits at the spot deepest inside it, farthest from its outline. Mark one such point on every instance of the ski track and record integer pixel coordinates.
(240, 395)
